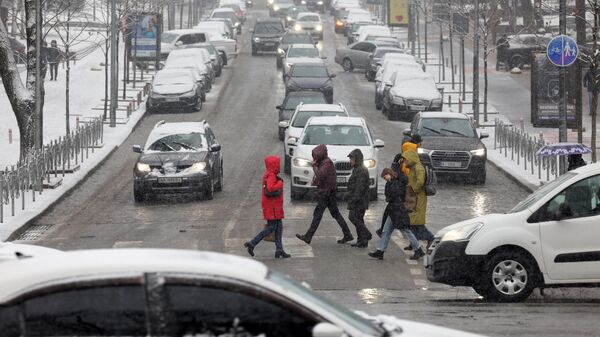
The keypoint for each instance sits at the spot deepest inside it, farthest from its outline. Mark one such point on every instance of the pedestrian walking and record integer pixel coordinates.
(396, 215)
(272, 205)
(358, 198)
(575, 161)
(53, 58)
(412, 145)
(588, 84)
(502, 46)
(416, 180)
(325, 180)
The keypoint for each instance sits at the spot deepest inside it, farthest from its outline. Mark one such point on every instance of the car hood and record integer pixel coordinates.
(303, 60)
(309, 82)
(489, 220)
(165, 89)
(451, 143)
(308, 24)
(336, 152)
(11, 251)
(428, 93)
(169, 158)
(400, 327)
(268, 35)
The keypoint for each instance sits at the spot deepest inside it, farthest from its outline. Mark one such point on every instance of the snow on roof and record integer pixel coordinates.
(321, 107)
(443, 114)
(303, 45)
(223, 10)
(336, 120)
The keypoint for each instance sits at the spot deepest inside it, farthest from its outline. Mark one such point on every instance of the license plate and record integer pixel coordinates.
(453, 164)
(169, 180)
(171, 99)
(270, 44)
(417, 107)
(341, 180)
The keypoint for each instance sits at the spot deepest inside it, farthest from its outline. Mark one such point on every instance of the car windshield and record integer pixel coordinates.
(344, 135)
(268, 27)
(309, 18)
(293, 101)
(413, 82)
(303, 116)
(542, 192)
(296, 39)
(308, 71)
(168, 37)
(446, 127)
(366, 327)
(179, 142)
(165, 78)
(303, 52)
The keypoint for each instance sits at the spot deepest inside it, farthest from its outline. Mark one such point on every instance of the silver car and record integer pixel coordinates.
(355, 56)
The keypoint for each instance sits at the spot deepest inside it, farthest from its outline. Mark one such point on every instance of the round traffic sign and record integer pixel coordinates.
(562, 51)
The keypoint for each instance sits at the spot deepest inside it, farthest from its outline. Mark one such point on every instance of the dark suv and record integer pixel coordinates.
(266, 34)
(450, 145)
(178, 158)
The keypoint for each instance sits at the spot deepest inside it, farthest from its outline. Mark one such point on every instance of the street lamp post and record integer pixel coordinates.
(476, 66)
(562, 83)
(39, 114)
(114, 68)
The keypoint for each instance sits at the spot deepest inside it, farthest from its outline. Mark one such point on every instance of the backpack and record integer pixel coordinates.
(430, 181)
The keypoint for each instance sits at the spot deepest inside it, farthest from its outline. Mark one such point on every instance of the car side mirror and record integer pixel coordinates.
(279, 107)
(178, 43)
(379, 143)
(292, 142)
(406, 132)
(284, 124)
(137, 149)
(327, 330)
(332, 75)
(215, 148)
(483, 135)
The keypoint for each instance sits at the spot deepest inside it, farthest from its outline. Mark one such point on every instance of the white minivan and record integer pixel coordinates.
(550, 239)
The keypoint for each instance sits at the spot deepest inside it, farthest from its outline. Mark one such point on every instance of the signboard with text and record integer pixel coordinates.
(398, 12)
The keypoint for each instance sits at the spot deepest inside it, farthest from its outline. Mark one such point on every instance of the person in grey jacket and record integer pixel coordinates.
(53, 58)
(358, 198)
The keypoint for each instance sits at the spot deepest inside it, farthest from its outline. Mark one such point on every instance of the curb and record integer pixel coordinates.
(519, 181)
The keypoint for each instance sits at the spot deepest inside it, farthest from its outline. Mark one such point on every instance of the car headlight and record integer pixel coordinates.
(198, 167)
(280, 51)
(189, 93)
(289, 18)
(398, 100)
(302, 162)
(421, 150)
(257, 39)
(319, 2)
(270, 2)
(436, 102)
(297, 27)
(370, 163)
(463, 233)
(276, 8)
(319, 28)
(143, 168)
(304, 2)
(478, 152)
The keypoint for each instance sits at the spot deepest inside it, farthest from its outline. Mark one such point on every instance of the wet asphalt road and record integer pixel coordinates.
(101, 212)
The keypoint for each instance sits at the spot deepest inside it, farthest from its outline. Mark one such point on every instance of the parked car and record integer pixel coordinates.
(294, 126)
(301, 53)
(266, 35)
(183, 157)
(290, 102)
(280, 8)
(199, 55)
(175, 88)
(310, 23)
(375, 60)
(341, 135)
(224, 26)
(239, 12)
(162, 292)
(215, 57)
(226, 46)
(451, 145)
(370, 33)
(356, 15)
(355, 55)
(522, 46)
(228, 13)
(388, 41)
(10, 251)
(172, 39)
(386, 76)
(409, 95)
(179, 60)
(312, 77)
(352, 30)
(288, 39)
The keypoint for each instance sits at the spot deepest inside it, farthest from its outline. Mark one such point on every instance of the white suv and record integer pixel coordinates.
(293, 127)
(548, 239)
(341, 135)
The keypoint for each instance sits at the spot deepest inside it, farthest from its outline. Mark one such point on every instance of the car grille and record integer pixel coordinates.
(413, 101)
(450, 159)
(161, 170)
(343, 166)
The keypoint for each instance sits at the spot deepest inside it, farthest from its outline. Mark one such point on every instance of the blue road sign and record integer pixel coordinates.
(562, 51)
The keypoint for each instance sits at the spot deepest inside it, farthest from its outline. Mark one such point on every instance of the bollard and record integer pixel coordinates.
(129, 110)
(449, 101)
(139, 98)
(9, 136)
(455, 68)
(77, 121)
(522, 124)
(460, 105)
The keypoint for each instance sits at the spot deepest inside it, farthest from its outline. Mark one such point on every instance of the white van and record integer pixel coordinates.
(549, 239)
(172, 39)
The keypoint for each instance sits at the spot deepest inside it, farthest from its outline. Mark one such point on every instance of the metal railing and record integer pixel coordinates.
(61, 156)
(522, 148)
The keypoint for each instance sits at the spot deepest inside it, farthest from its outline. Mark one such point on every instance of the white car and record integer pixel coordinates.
(341, 135)
(13, 251)
(369, 33)
(293, 127)
(228, 13)
(221, 26)
(172, 39)
(549, 239)
(200, 54)
(226, 46)
(311, 23)
(165, 292)
(387, 77)
(180, 59)
(301, 53)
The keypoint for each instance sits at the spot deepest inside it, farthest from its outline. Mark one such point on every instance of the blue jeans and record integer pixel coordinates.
(386, 235)
(272, 226)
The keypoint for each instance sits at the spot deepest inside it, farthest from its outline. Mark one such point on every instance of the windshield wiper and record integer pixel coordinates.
(432, 130)
(454, 132)
(189, 147)
(167, 145)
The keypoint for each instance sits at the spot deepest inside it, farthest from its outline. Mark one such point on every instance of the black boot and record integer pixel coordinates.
(249, 247)
(304, 238)
(409, 247)
(346, 238)
(418, 254)
(282, 255)
(378, 254)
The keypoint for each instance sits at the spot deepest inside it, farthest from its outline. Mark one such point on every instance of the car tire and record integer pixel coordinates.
(347, 65)
(198, 105)
(221, 182)
(210, 189)
(296, 193)
(138, 196)
(499, 274)
(224, 58)
(219, 72)
(479, 177)
(378, 106)
(517, 61)
(287, 164)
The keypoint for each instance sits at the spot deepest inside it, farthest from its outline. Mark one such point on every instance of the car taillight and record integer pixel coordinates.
(239, 13)
(339, 23)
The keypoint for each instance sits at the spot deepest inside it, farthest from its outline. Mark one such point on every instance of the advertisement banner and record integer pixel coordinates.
(144, 36)
(398, 13)
(545, 93)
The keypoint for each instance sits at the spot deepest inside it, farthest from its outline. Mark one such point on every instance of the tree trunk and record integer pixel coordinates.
(67, 81)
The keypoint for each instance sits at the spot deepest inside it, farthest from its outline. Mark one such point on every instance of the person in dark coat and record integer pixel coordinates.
(272, 208)
(575, 161)
(588, 84)
(53, 58)
(358, 197)
(395, 215)
(325, 179)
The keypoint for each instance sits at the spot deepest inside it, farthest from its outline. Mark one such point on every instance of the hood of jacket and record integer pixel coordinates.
(319, 153)
(408, 146)
(358, 156)
(272, 163)
(412, 158)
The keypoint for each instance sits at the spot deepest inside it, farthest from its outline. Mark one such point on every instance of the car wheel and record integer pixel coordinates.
(517, 61)
(287, 164)
(296, 193)
(221, 182)
(347, 65)
(138, 196)
(479, 177)
(198, 105)
(281, 134)
(508, 277)
(210, 189)
(218, 74)
(378, 106)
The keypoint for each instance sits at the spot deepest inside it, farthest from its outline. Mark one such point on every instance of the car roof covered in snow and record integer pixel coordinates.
(321, 107)
(28, 274)
(223, 9)
(336, 120)
(443, 114)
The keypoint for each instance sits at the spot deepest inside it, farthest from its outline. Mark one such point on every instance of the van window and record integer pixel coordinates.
(579, 200)
(198, 38)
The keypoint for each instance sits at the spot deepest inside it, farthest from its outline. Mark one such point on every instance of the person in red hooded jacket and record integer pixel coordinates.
(272, 205)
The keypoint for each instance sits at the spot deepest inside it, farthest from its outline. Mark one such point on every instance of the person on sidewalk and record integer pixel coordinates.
(502, 46)
(575, 161)
(588, 84)
(272, 205)
(325, 179)
(53, 57)
(416, 180)
(396, 216)
(358, 198)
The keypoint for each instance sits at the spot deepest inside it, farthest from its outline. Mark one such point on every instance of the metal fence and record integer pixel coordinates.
(61, 156)
(522, 148)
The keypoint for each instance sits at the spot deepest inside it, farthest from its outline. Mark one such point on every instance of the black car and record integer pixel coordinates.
(311, 77)
(450, 145)
(266, 35)
(315, 5)
(291, 101)
(288, 39)
(178, 158)
(339, 20)
(521, 48)
(175, 89)
(280, 8)
(375, 60)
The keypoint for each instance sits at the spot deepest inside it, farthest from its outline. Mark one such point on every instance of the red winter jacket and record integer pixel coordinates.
(272, 206)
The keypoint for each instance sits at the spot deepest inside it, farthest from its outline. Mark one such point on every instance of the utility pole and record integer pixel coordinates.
(580, 26)
(114, 64)
(427, 18)
(562, 84)
(476, 66)
(39, 114)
